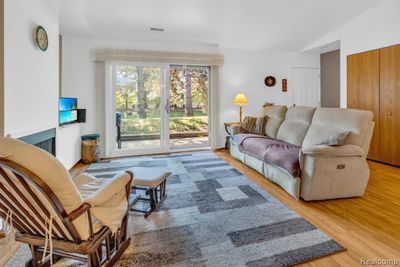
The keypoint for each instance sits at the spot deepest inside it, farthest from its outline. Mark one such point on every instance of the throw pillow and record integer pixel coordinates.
(336, 140)
(254, 125)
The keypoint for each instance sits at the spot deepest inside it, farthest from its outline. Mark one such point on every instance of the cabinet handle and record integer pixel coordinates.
(389, 113)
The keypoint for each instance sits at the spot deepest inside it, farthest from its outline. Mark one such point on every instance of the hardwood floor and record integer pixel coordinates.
(369, 227)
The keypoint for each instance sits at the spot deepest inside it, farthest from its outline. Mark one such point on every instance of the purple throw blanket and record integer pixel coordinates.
(270, 150)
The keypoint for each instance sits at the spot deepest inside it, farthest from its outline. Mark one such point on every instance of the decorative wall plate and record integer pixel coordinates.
(41, 39)
(270, 81)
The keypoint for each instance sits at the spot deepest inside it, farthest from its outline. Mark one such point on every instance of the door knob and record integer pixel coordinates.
(389, 113)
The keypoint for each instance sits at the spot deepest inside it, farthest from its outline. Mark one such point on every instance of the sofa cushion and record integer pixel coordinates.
(274, 116)
(281, 154)
(253, 125)
(238, 139)
(338, 139)
(285, 156)
(257, 146)
(107, 196)
(332, 121)
(295, 126)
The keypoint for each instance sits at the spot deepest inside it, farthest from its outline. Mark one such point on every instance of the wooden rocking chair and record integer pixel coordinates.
(83, 218)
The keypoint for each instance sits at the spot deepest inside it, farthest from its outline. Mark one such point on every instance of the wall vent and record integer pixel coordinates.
(154, 29)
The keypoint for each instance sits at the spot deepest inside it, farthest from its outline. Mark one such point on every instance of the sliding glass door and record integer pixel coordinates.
(188, 106)
(138, 108)
(157, 108)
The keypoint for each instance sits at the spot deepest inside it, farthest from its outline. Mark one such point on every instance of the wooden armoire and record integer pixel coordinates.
(373, 83)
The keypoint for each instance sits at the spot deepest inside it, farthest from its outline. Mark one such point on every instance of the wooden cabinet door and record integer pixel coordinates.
(363, 90)
(390, 104)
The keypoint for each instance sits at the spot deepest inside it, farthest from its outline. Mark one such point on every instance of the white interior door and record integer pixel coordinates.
(305, 87)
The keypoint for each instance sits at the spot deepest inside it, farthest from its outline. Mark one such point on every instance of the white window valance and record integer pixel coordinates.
(103, 55)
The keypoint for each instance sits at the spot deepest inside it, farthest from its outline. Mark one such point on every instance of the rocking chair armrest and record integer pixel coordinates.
(119, 182)
(85, 207)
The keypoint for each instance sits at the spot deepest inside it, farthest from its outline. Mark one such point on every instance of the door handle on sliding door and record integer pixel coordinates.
(167, 107)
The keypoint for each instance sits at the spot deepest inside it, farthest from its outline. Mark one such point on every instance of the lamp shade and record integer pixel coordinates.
(240, 100)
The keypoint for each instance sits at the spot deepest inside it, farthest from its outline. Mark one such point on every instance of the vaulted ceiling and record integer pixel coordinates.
(249, 24)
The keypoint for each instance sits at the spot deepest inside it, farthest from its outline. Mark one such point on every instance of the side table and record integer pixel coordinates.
(228, 124)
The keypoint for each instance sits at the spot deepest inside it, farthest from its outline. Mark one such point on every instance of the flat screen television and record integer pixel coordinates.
(67, 110)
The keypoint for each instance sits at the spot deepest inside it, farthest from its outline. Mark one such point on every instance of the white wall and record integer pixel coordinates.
(79, 73)
(376, 28)
(31, 76)
(68, 147)
(244, 71)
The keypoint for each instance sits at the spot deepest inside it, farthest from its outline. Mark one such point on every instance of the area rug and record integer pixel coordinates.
(214, 216)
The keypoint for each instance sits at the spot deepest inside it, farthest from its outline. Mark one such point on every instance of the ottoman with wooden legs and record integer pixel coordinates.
(153, 183)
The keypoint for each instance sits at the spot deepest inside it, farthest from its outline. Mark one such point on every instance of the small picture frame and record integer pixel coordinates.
(284, 85)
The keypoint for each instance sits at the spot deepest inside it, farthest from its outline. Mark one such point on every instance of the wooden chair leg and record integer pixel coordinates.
(164, 188)
(36, 256)
(155, 190)
(99, 254)
(89, 260)
(124, 245)
(97, 258)
(124, 228)
(152, 198)
(108, 248)
(94, 260)
(117, 240)
(36, 260)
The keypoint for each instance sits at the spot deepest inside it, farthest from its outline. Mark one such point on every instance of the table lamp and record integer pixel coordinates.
(240, 100)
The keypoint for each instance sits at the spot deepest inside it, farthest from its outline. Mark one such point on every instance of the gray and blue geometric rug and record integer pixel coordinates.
(212, 216)
(215, 216)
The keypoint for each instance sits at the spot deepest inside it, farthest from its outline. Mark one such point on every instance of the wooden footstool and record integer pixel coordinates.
(153, 182)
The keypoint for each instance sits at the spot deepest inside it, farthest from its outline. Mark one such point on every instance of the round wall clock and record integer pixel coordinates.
(270, 81)
(41, 38)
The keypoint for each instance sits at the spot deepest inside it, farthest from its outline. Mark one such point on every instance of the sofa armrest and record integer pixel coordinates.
(336, 151)
(112, 187)
(233, 129)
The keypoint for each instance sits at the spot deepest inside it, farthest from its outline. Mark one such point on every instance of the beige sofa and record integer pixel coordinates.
(327, 172)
